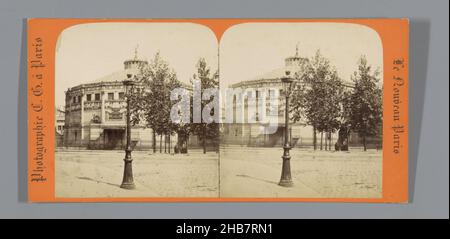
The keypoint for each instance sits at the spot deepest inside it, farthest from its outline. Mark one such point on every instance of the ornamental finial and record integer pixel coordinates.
(135, 51)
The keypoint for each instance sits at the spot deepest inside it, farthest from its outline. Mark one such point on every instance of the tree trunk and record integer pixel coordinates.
(165, 143)
(327, 139)
(160, 143)
(330, 141)
(290, 136)
(314, 138)
(364, 142)
(204, 140)
(154, 141)
(169, 144)
(265, 139)
(187, 143)
(321, 140)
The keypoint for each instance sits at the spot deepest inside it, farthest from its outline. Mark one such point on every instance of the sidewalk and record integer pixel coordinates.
(244, 172)
(99, 174)
(239, 178)
(255, 172)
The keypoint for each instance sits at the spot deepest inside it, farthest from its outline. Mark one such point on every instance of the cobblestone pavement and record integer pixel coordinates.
(255, 172)
(244, 172)
(99, 173)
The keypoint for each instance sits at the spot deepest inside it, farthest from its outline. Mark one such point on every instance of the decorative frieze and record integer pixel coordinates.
(92, 105)
(115, 114)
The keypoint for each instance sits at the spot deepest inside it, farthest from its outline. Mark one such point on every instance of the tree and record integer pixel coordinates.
(334, 91)
(317, 96)
(205, 131)
(345, 121)
(152, 103)
(364, 105)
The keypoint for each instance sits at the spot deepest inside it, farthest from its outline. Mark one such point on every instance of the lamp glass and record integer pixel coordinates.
(286, 81)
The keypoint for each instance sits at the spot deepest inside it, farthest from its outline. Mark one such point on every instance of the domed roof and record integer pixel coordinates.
(117, 76)
(135, 61)
(131, 66)
(292, 63)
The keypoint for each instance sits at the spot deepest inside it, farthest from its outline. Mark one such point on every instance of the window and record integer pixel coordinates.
(79, 99)
(121, 95)
(110, 96)
(97, 97)
(88, 97)
(74, 99)
(59, 127)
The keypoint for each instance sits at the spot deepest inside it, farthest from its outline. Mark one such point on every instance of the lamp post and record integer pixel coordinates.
(128, 182)
(286, 179)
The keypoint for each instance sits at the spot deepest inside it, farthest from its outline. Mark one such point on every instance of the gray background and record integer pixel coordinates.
(429, 83)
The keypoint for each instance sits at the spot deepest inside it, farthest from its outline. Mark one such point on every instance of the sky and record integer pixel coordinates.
(87, 52)
(252, 49)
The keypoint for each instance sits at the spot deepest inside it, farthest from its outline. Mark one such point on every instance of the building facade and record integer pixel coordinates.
(300, 133)
(254, 133)
(60, 121)
(95, 113)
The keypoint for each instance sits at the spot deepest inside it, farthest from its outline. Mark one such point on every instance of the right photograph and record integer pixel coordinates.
(301, 111)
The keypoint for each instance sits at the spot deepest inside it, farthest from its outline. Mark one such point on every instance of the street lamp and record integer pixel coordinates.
(128, 182)
(286, 179)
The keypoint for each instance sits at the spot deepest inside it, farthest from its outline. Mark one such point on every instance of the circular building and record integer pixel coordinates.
(252, 132)
(95, 112)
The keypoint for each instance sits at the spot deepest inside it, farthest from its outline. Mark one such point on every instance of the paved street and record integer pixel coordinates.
(99, 173)
(255, 172)
(244, 172)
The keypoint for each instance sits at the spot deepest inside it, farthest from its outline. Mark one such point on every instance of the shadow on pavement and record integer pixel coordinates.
(261, 180)
(97, 181)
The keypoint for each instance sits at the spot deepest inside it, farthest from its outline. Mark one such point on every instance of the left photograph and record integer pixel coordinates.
(113, 131)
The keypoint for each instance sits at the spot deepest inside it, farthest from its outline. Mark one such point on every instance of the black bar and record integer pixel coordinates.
(230, 228)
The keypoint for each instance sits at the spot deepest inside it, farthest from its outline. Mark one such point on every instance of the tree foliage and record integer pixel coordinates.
(161, 80)
(151, 102)
(208, 80)
(318, 94)
(364, 103)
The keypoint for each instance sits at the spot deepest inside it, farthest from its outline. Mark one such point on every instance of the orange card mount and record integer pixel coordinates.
(128, 110)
